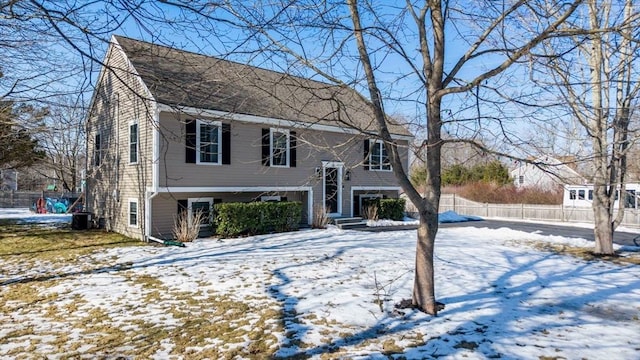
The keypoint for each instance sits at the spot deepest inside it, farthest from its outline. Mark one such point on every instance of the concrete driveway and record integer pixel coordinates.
(620, 238)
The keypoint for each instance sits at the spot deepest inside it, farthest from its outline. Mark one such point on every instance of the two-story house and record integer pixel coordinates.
(170, 130)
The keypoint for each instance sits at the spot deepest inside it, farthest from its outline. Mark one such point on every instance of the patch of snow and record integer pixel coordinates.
(24, 215)
(503, 298)
(445, 217)
(387, 222)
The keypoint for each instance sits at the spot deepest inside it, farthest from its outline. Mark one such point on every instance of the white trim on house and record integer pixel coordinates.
(195, 189)
(371, 188)
(269, 121)
(217, 124)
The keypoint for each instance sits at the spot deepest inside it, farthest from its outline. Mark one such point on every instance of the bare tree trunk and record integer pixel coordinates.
(424, 287)
(603, 230)
(604, 189)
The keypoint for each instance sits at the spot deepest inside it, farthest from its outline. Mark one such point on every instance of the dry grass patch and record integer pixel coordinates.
(29, 242)
(587, 254)
(214, 326)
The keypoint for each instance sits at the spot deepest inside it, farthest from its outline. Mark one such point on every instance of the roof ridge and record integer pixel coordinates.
(229, 61)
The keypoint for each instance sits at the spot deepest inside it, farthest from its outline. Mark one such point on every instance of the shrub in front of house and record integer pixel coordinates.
(236, 219)
(391, 209)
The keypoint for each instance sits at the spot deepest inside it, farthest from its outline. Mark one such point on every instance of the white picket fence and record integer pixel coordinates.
(525, 211)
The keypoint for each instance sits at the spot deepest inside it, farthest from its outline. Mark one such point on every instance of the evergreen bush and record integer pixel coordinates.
(391, 209)
(236, 219)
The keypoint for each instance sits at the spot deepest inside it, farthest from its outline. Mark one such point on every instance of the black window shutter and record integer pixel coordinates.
(182, 206)
(356, 205)
(366, 154)
(265, 147)
(226, 144)
(292, 148)
(190, 146)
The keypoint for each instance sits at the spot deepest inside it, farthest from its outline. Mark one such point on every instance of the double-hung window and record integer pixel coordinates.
(279, 146)
(378, 157)
(209, 142)
(133, 212)
(97, 149)
(133, 143)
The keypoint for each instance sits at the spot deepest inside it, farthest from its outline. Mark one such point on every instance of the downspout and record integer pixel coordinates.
(116, 190)
(310, 206)
(85, 183)
(155, 175)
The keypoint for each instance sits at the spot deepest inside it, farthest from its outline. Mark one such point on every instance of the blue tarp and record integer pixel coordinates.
(453, 217)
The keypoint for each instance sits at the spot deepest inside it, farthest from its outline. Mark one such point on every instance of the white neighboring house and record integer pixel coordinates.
(582, 196)
(545, 173)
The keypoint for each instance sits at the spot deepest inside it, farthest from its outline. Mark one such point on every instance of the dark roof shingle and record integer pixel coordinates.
(186, 79)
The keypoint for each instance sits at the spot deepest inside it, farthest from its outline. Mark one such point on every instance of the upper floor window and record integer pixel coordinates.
(278, 147)
(133, 143)
(378, 159)
(97, 149)
(209, 144)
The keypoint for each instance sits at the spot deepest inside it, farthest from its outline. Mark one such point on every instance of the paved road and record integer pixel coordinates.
(620, 238)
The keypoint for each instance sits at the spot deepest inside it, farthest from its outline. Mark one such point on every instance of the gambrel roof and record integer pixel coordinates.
(185, 79)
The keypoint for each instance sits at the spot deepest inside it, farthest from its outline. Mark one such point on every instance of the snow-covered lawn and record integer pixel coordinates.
(317, 293)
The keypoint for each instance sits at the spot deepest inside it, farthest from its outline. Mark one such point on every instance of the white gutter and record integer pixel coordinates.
(268, 121)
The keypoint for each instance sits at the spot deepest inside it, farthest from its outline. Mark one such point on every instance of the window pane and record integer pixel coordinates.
(572, 194)
(376, 155)
(630, 199)
(202, 206)
(97, 144)
(209, 153)
(133, 213)
(279, 156)
(133, 143)
(385, 158)
(133, 133)
(580, 194)
(209, 143)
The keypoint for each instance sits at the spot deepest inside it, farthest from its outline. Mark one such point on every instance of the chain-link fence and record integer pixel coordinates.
(28, 199)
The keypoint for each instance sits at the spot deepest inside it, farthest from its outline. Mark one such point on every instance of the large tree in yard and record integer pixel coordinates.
(596, 81)
(442, 50)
